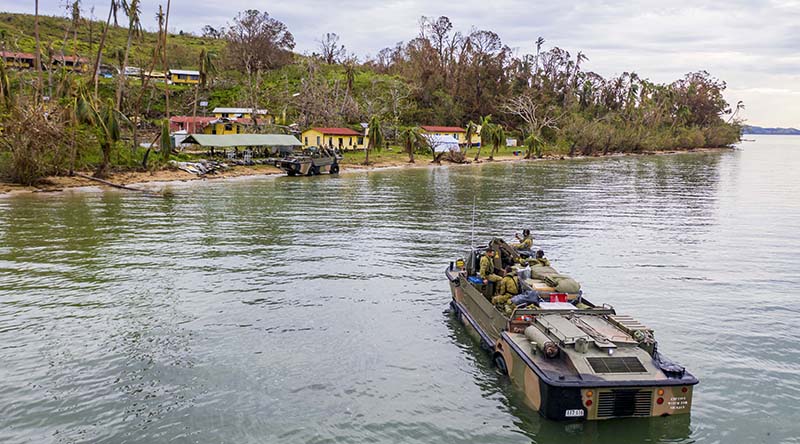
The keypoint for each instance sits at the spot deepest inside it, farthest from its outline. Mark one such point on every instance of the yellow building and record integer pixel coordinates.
(457, 133)
(22, 60)
(227, 126)
(183, 76)
(341, 138)
(77, 64)
(262, 115)
(209, 125)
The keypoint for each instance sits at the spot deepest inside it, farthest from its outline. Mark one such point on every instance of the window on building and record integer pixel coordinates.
(306, 143)
(318, 141)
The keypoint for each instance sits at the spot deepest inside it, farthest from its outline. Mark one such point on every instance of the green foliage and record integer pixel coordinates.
(534, 145)
(413, 141)
(33, 144)
(165, 143)
(569, 111)
(376, 139)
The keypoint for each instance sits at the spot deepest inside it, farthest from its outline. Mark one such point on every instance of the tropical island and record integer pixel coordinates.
(106, 99)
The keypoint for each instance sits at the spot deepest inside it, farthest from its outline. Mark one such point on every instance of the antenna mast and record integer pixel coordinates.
(472, 240)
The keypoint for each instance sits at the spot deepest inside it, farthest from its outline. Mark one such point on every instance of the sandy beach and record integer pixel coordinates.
(55, 184)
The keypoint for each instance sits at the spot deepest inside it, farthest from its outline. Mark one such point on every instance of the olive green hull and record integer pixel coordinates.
(308, 167)
(590, 398)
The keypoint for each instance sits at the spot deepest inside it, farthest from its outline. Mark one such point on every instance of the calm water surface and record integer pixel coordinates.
(311, 310)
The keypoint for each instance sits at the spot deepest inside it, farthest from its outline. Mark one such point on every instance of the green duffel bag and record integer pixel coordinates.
(568, 285)
(542, 272)
(563, 283)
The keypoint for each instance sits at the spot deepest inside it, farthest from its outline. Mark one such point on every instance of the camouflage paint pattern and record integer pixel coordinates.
(567, 387)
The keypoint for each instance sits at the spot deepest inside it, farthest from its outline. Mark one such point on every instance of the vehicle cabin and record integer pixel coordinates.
(262, 115)
(457, 133)
(18, 60)
(340, 138)
(183, 76)
(72, 63)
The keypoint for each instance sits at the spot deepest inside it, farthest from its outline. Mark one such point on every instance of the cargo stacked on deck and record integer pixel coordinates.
(572, 359)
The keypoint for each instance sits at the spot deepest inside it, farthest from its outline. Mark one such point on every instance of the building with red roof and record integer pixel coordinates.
(72, 62)
(341, 138)
(23, 60)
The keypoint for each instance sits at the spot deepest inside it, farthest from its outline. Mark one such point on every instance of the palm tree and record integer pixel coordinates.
(206, 68)
(165, 144)
(412, 140)
(471, 128)
(534, 145)
(107, 121)
(376, 138)
(38, 51)
(96, 69)
(133, 11)
(5, 86)
(166, 64)
(486, 134)
(498, 139)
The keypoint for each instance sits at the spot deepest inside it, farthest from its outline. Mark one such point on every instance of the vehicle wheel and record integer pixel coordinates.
(313, 171)
(290, 173)
(335, 168)
(500, 363)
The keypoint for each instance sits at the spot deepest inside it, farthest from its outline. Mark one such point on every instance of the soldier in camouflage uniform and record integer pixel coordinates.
(525, 242)
(508, 288)
(487, 268)
(539, 259)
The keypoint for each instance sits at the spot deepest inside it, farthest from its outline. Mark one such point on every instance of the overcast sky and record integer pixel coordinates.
(753, 45)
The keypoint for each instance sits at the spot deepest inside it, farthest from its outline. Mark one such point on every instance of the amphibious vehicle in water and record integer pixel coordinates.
(573, 359)
(310, 162)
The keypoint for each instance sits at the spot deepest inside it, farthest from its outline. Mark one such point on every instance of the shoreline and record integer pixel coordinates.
(57, 184)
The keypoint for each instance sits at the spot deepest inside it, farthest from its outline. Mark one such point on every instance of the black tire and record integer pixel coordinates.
(334, 168)
(500, 363)
(313, 171)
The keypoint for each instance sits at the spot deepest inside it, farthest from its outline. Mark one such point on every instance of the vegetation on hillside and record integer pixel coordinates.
(546, 99)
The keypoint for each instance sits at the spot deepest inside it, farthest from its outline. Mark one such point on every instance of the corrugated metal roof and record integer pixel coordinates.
(443, 129)
(238, 110)
(336, 131)
(228, 140)
(187, 72)
(17, 55)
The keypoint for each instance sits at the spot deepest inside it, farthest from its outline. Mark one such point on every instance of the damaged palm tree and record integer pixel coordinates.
(375, 135)
(107, 122)
(412, 140)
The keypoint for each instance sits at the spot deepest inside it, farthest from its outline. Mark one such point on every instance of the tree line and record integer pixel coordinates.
(545, 98)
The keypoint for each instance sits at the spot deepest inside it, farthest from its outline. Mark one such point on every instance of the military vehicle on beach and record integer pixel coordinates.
(310, 161)
(573, 359)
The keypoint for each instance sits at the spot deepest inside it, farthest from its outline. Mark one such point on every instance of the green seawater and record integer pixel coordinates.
(312, 310)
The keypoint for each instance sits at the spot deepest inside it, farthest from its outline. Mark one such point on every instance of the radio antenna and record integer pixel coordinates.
(472, 240)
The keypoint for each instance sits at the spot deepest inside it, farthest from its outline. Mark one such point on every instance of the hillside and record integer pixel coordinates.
(547, 99)
(775, 131)
(16, 31)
